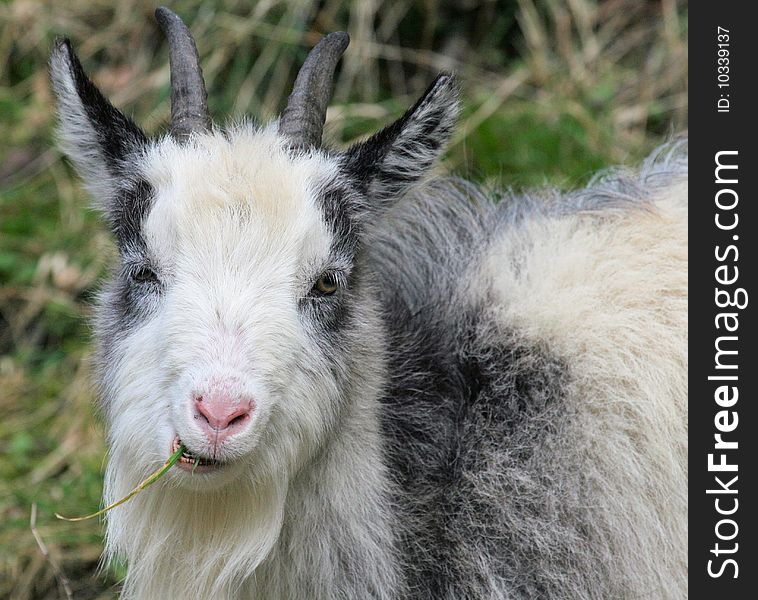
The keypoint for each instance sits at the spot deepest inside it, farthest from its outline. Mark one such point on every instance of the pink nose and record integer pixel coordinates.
(221, 415)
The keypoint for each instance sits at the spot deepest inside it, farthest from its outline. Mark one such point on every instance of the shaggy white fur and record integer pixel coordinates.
(607, 292)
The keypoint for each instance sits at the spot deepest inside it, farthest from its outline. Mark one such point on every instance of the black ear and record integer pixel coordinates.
(391, 161)
(97, 137)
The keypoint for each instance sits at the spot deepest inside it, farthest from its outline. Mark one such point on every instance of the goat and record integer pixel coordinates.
(386, 388)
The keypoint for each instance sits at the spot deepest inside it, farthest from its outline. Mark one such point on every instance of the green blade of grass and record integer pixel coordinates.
(150, 479)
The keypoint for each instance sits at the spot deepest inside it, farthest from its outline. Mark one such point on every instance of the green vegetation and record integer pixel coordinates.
(553, 90)
(145, 483)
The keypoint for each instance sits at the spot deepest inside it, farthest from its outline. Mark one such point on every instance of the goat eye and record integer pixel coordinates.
(325, 285)
(144, 275)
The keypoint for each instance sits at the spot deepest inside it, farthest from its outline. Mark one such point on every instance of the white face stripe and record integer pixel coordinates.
(235, 194)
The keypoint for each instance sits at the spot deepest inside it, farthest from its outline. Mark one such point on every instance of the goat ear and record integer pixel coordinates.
(391, 161)
(97, 137)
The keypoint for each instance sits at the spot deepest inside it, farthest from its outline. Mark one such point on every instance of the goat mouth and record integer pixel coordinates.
(193, 463)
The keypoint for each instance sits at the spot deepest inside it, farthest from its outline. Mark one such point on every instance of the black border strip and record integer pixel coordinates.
(729, 128)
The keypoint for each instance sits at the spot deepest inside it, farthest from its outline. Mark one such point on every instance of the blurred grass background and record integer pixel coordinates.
(553, 91)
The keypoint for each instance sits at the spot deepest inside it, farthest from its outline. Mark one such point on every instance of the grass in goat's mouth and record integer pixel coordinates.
(178, 454)
(188, 459)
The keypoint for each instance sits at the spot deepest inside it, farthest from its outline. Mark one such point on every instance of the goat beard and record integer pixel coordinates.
(191, 544)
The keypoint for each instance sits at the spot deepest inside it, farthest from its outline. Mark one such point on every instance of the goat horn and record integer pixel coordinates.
(302, 122)
(189, 100)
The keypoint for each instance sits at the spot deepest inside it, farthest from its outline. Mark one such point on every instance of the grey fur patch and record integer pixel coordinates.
(460, 394)
(491, 497)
